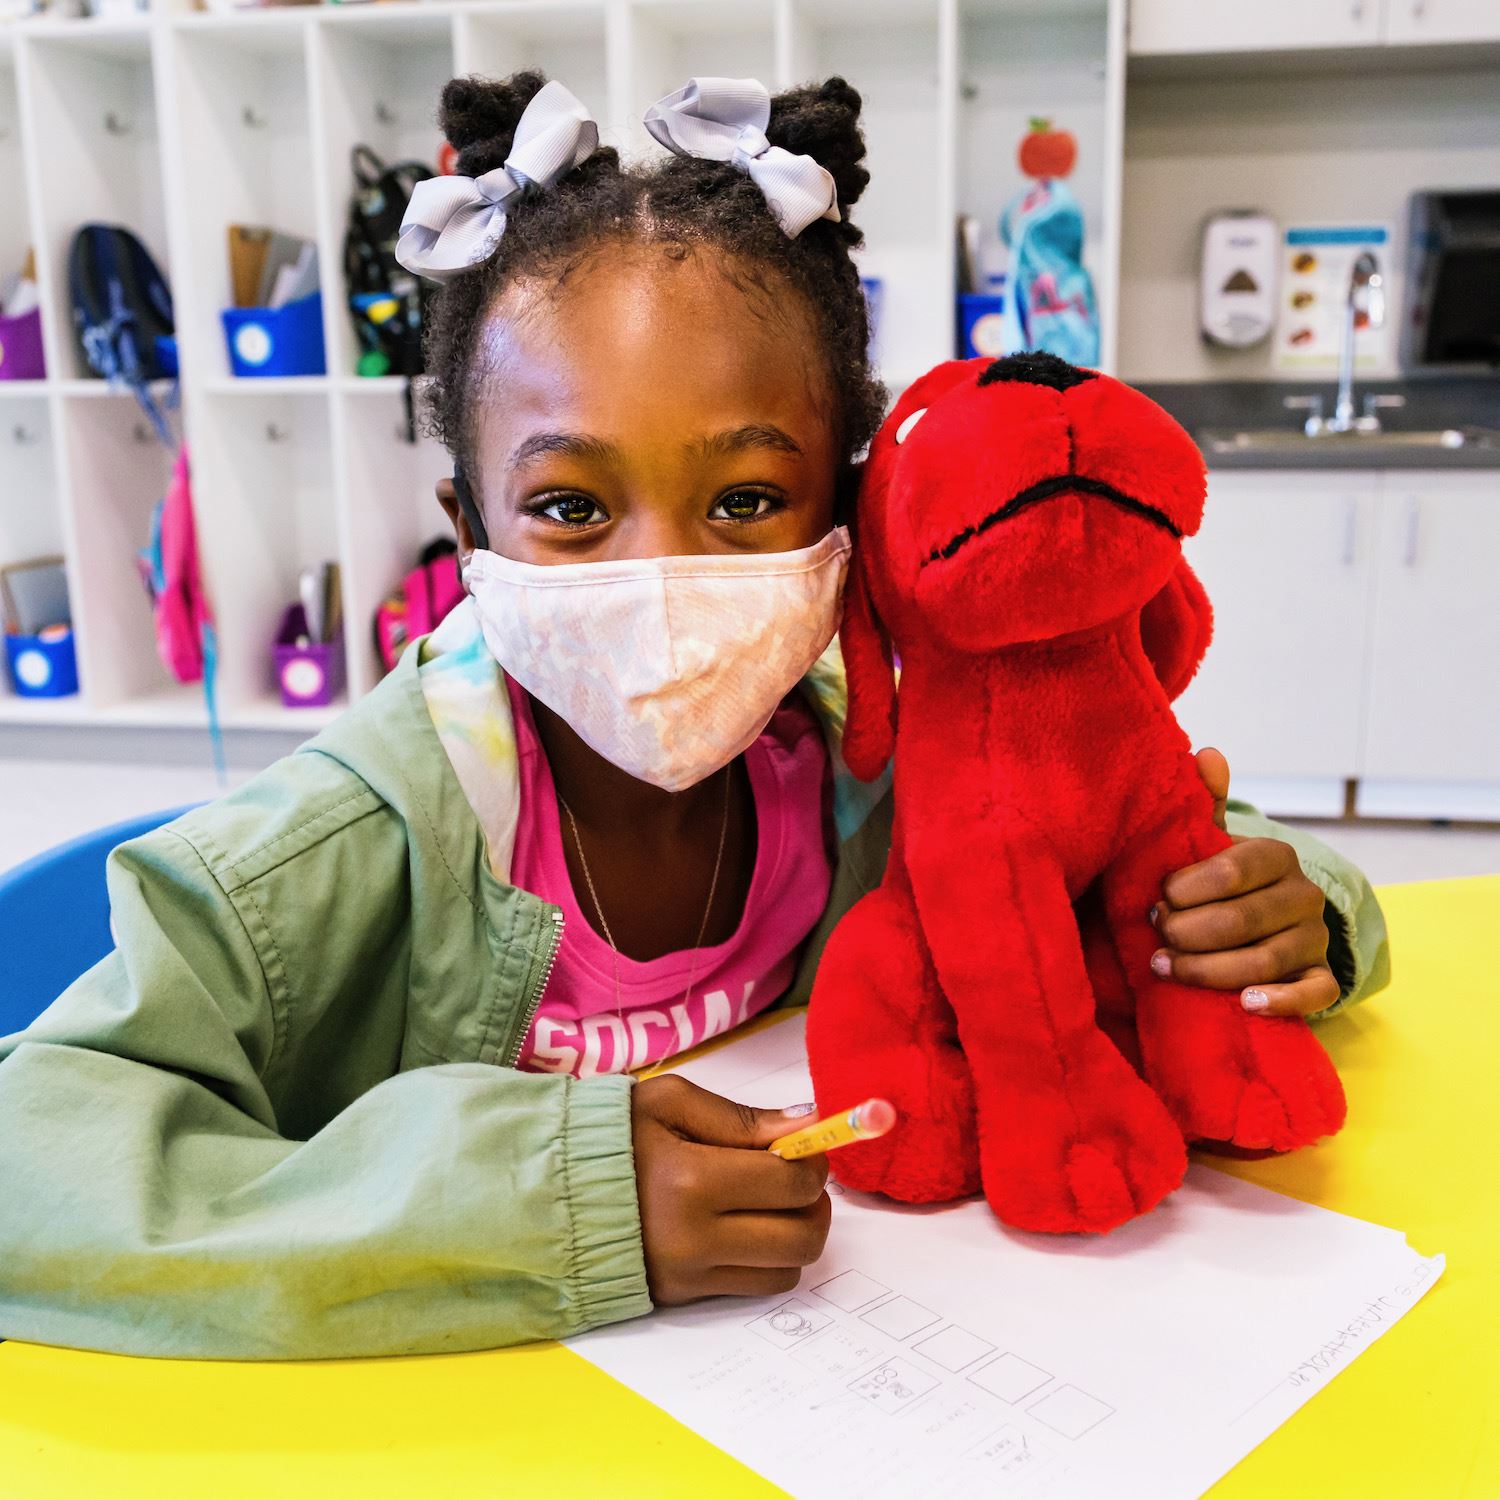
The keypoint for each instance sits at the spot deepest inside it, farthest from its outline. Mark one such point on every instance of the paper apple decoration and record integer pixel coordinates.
(1046, 152)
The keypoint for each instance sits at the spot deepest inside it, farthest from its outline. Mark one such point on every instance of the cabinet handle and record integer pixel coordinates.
(1351, 531)
(1357, 10)
(1413, 530)
(1418, 9)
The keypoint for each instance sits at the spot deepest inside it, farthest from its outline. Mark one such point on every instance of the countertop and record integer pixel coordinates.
(1233, 406)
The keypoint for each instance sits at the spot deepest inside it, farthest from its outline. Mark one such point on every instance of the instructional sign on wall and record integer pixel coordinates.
(1316, 263)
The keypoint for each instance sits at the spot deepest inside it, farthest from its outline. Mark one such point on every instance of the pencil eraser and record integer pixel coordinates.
(876, 1116)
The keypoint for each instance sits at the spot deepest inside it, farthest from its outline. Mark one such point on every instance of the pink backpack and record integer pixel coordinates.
(428, 594)
(185, 638)
(184, 621)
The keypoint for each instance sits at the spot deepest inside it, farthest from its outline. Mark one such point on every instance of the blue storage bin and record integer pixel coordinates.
(981, 330)
(276, 340)
(42, 667)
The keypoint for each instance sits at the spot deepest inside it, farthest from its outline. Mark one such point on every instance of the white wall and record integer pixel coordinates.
(1303, 148)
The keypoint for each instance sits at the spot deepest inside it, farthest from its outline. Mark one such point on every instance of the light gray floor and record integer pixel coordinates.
(45, 802)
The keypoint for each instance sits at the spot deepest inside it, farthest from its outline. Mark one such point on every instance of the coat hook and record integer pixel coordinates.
(251, 118)
(276, 433)
(384, 114)
(142, 434)
(114, 124)
(22, 435)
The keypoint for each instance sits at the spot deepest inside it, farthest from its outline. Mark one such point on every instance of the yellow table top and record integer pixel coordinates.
(1413, 1416)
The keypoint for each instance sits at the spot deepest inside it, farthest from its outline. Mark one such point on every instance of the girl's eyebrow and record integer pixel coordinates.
(578, 445)
(566, 445)
(752, 435)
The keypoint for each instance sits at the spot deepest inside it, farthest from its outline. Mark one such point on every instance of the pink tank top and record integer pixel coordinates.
(577, 1029)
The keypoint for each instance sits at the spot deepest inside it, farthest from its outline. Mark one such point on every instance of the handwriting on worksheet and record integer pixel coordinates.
(933, 1350)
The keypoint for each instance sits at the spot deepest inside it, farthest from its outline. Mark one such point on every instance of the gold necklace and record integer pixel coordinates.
(713, 886)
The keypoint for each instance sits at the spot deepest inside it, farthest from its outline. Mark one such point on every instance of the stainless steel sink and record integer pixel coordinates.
(1291, 440)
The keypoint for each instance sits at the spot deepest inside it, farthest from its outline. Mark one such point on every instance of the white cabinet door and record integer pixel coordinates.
(1176, 26)
(1287, 560)
(1442, 20)
(1434, 712)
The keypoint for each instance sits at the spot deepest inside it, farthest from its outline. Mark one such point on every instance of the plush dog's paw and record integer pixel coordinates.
(1257, 1082)
(1081, 1159)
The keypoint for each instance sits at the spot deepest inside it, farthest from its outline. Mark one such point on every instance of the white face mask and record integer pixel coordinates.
(667, 666)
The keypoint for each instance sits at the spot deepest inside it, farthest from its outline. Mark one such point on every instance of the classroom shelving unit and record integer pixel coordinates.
(177, 123)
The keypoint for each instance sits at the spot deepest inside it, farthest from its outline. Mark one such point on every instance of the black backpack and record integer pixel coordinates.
(386, 301)
(121, 310)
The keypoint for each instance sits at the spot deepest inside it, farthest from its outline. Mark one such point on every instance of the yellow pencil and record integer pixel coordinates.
(862, 1123)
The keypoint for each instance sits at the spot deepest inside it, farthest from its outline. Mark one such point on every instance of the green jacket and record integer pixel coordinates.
(282, 1121)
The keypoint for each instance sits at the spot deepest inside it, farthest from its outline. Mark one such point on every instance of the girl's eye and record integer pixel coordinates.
(571, 510)
(744, 505)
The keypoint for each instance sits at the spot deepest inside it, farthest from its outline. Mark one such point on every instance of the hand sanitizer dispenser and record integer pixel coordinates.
(1237, 289)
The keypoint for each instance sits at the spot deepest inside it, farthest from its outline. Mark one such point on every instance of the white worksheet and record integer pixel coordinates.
(933, 1351)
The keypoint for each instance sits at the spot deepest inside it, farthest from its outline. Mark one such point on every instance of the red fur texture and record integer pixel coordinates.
(1018, 550)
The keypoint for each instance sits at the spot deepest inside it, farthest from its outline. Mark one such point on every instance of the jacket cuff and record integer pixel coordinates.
(607, 1262)
(1358, 952)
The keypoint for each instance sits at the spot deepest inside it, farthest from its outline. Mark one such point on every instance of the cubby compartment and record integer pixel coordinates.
(15, 221)
(263, 492)
(114, 470)
(1021, 61)
(565, 41)
(31, 524)
(239, 146)
(892, 51)
(95, 152)
(379, 78)
(391, 513)
(674, 40)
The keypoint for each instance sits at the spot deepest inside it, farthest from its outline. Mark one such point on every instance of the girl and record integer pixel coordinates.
(356, 1079)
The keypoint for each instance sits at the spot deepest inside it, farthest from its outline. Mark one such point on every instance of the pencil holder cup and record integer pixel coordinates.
(311, 675)
(276, 340)
(42, 666)
(21, 347)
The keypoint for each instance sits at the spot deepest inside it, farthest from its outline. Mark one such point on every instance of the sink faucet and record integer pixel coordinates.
(1366, 295)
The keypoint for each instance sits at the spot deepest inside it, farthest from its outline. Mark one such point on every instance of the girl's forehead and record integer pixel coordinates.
(644, 335)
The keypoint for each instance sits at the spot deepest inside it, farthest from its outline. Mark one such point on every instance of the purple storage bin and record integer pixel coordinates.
(309, 676)
(21, 347)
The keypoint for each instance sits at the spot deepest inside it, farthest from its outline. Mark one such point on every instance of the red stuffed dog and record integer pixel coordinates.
(1019, 547)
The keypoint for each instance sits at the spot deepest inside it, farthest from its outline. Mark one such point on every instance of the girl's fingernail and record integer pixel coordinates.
(797, 1111)
(1255, 1000)
(1152, 915)
(1161, 964)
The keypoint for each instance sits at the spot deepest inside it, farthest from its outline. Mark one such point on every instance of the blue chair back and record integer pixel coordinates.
(54, 919)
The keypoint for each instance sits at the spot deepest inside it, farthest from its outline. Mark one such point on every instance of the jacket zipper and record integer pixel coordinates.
(555, 938)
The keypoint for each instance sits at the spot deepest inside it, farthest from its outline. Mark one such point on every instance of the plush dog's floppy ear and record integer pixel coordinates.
(1176, 627)
(870, 728)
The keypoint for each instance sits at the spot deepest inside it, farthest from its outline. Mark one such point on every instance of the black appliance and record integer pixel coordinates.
(1452, 315)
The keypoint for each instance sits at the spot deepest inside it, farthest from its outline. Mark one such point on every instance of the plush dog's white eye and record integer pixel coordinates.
(910, 422)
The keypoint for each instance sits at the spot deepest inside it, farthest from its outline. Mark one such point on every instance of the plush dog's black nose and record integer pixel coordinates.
(1036, 369)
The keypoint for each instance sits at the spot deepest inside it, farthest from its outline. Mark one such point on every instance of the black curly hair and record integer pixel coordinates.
(679, 203)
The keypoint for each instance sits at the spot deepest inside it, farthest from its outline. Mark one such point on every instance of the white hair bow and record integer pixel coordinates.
(452, 223)
(725, 119)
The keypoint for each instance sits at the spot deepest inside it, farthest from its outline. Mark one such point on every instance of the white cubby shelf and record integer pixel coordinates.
(177, 123)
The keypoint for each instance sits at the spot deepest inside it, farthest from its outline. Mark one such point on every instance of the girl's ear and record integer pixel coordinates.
(870, 727)
(468, 522)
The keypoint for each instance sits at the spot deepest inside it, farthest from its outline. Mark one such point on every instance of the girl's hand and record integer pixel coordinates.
(1247, 919)
(719, 1213)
